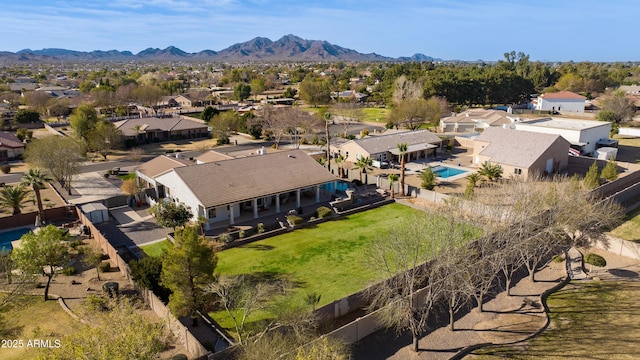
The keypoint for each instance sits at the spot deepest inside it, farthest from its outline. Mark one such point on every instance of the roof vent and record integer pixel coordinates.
(291, 156)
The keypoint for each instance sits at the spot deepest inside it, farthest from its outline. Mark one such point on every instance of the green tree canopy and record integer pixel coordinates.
(24, 116)
(315, 91)
(241, 91)
(59, 156)
(187, 269)
(37, 180)
(83, 119)
(168, 214)
(13, 197)
(610, 171)
(413, 113)
(104, 138)
(427, 179)
(592, 177)
(42, 253)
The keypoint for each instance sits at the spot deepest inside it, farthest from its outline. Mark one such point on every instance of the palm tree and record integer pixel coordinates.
(37, 180)
(340, 161)
(362, 164)
(392, 179)
(402, 148)
(13, 197)
(490, 171)
(472, 182)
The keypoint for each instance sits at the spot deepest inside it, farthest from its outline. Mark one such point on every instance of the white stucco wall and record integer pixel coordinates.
(573, 105)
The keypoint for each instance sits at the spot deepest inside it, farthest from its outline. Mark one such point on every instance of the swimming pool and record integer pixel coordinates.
(7, 237)
(447, 172)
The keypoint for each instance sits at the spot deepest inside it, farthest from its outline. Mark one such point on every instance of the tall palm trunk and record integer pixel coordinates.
(36, 190)
(402, 175)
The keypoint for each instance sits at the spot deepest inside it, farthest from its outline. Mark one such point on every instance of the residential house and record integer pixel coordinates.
(221, 191)
(584, 136)
(192, 100)
(167, 101)
(474, 120)
(521, 153)
(420, 144)
(155, 129)
(147, 173)
(561, 101)
(350, 95)
(10, 146)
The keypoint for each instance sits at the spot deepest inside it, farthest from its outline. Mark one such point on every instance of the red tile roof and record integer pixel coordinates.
(562, 95)
(9, 140)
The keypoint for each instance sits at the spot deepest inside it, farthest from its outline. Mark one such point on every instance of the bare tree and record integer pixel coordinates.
(37, 101)
(347, 114)
(404, 89)
(272, 125)
(407, 297)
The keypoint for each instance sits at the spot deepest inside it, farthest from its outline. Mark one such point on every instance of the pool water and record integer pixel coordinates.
(7, 237)
(447, 172)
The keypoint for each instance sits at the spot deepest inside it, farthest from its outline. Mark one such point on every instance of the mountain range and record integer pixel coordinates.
(287, 48)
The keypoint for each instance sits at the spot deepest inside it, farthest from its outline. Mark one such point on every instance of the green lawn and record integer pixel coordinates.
(379, 115)
(589, 320)
(630, 229)
(156, 249)
(327, 259)
(29, 317)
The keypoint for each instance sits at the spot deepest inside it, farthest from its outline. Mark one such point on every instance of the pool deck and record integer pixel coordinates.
(416, 167)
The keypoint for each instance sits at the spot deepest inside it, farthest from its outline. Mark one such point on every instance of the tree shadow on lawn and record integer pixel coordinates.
(262, 247)
(623, 273)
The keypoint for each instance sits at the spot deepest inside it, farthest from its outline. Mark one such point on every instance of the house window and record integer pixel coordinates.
(517, 171)
(212, 213)
(4, 154)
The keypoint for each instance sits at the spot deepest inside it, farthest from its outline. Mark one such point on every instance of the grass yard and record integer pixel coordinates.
(376, 115)
(589, 320)
(156, 249)
(31, 318)
(630, 229)
(328, 259)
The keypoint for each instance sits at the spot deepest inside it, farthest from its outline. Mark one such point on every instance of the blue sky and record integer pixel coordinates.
(552, 30)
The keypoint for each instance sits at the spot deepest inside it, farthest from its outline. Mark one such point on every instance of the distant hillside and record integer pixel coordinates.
(287, 48)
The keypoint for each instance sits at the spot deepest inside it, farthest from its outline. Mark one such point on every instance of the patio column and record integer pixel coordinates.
(231, 215)
(254, 203)
(277, 203)
(298, 198)
(317, 194)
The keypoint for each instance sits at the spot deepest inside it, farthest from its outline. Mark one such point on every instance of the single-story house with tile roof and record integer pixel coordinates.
(560, 101)
(211, 156)
(221, 190)
(475, 119)
(521, 153)
(420, 143)
(10, 146)
(146, 174)
(155, 129)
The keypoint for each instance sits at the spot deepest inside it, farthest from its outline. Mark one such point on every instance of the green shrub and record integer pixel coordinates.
(104, 267)
(294, 219)
(107, 174)
(557, 258)
(225, 238)
(241, 234)
(595, 260)
(260, 228)
(95, 303)
(323, 212)
(5, 168)
(68, 271)
(75, 244)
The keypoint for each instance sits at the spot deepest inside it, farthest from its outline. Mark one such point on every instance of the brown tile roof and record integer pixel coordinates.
(160, 165)
(382, 143)
(159, 124)
(516, 147)
(211, 156)
(236, 180)
(562, 95)
(8, 140)
(477, 115)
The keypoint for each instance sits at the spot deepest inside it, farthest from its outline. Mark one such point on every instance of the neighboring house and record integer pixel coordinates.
(191, 100)
(521, 153)
(168, 101)
(630, 89)
(221, 191)
(147, 173)
(351, 95)
(10, 146)
(155, 129)
(475, 119)
(561, 101)
(421, 143)
(583, 135)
